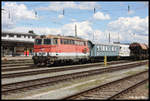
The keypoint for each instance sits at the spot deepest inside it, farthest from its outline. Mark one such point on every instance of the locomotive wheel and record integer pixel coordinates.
(35, 62)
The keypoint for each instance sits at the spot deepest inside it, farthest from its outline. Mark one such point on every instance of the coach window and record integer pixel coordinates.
(110, 48)
(38, 41)
(62, 41)
(18, 36)
(68, 41)
(47, 41)
(54, 41)
(73, 42)
(76, 42)
(80, 43)
(84, 43)
(115, 48)
(103, 48)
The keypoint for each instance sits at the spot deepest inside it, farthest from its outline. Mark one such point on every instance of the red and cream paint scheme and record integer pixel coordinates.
(61, 48)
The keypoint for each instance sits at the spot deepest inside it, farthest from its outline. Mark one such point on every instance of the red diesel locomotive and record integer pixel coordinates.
(52, 49)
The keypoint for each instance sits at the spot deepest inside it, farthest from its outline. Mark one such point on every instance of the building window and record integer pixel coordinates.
(18, 36)
(10, 35)
(3, 35)
(33, 37)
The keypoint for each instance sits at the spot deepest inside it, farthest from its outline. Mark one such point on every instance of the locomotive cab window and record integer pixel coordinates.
(54, 41)
(47, 41)
(84, 43)
(38, 41)
(62, 41)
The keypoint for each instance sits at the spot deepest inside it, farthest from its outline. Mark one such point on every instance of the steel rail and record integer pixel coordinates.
(74, 96)
(35, 72)
(6, 88)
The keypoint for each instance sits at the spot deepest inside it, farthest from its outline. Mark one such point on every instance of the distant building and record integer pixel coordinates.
(17, 44)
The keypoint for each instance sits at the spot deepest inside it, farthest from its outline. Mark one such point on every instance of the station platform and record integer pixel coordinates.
(15, 58)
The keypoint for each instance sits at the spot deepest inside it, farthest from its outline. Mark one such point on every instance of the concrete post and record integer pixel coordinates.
(105, 61)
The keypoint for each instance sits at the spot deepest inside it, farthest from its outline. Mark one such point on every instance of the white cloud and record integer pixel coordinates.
(73, 20)
(84, 30)
(60, 16)
(101, 16)
(19, 11)
(37, 30)
(130, 28)
(13, 12)
(57, 6)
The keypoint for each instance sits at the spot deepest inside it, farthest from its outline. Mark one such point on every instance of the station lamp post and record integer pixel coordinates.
(9, 17)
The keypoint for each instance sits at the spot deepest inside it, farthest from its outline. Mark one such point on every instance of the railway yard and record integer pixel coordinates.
(74, 51)
(121, 79)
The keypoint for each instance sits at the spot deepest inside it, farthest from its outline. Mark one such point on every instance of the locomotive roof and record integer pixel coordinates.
(142, 46)
(58, 36)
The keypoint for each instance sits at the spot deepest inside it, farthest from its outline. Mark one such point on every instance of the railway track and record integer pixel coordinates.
(35, 72)
(17, 61)
(111, 90)
(49, 81)
(13, 65)
(35, 67)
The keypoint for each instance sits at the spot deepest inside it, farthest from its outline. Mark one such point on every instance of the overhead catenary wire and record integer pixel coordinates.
(68, 13)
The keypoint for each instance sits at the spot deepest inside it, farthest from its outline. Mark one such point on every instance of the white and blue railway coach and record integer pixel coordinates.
(101, 50)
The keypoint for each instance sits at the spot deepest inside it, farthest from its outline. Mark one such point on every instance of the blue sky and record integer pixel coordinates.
(50, 19)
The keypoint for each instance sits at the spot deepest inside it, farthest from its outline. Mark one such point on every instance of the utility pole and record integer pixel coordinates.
(75, 31)
(128, 8)
(94, 10)
(118, 37)
(8, 11)
(109, 37)
(63, 12)
(93, 36)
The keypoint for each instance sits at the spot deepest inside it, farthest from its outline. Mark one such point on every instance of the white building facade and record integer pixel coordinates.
(17, 44)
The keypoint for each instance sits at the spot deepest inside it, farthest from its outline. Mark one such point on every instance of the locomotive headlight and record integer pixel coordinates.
(35, 54)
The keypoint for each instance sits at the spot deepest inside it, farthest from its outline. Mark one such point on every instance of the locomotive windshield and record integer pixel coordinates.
(47, 41)
(38, 41)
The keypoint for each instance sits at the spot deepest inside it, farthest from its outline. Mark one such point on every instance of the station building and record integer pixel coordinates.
(17, 44)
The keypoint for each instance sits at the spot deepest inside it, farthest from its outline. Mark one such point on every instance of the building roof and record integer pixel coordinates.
(20, 33)
(59, 36)
(26, 41)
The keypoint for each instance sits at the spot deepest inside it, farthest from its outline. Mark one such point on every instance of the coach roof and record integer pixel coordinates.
(142, 46)
(58, 36)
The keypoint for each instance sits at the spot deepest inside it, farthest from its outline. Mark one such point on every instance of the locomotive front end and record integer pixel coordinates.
(43, 48)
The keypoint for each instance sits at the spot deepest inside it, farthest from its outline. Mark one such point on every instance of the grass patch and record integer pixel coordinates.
(147, 86)
(131, 72)
(87, 85)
